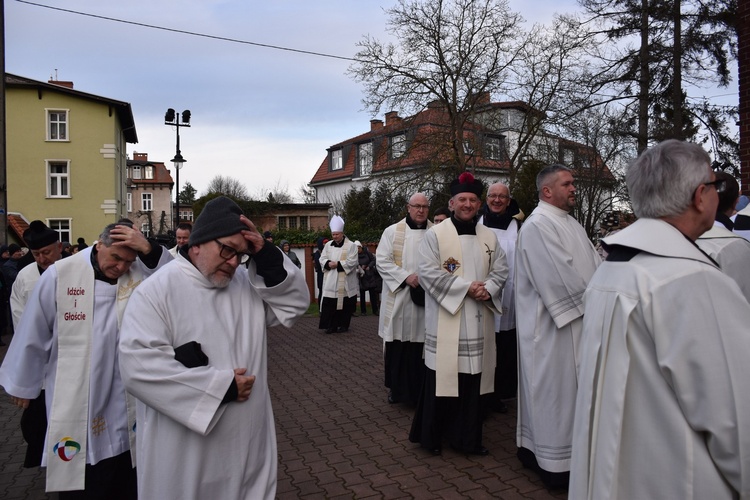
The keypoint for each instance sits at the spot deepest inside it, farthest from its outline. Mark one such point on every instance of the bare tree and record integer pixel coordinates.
(449, 51)
(227, 186)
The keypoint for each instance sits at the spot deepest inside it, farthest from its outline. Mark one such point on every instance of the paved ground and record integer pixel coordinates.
(337, 435)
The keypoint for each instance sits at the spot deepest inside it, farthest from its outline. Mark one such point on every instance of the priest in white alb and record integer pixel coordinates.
(554, 262)
(463, 271)
(66, 343)
(401, 322)
(193, 353)
(663, 410)
(730, 250)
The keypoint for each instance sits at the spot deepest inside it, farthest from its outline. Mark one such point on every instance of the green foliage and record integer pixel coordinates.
(188, 194)
(524, 186)
(368, 213)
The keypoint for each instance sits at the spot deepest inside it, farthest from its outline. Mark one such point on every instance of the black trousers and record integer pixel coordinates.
(374, 300)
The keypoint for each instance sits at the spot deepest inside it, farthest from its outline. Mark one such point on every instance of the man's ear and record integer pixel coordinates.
(699, 198)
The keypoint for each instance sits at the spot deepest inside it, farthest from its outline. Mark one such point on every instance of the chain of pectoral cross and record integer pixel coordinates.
(489, 253)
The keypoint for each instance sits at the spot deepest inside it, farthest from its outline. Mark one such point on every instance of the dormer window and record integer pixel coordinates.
(398, 146)
(337, 159)
(493, 148)
(364, 159)
(148, 172)
(137, 172)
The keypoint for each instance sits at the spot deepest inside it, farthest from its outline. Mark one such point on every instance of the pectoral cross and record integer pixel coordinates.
(479, 316)
(489, 256)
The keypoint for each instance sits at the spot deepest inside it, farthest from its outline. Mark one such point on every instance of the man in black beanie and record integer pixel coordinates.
(193, 351)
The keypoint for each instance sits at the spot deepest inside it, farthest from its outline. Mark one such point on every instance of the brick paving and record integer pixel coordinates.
(338, 438)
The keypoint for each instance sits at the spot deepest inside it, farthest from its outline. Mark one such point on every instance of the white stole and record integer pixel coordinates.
(399, 236)
(341, 277)
(67, 433)
(449, 325)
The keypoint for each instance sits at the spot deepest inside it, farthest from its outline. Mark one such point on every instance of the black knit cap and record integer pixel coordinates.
(220, 217)
(466, 183)
(38, 235)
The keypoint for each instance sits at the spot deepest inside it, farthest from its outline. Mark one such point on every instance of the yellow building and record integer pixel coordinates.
(66, 157)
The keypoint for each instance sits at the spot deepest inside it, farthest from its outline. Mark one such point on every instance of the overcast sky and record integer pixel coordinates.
(262, 116)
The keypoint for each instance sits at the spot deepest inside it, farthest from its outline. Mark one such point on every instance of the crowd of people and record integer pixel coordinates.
(626, 371)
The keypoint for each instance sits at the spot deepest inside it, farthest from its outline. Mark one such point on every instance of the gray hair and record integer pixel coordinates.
(544, 175)
(663, 179)
(106, 237)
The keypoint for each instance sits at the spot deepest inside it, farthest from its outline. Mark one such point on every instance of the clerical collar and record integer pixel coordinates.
(464, 227)
(338, 245)
(98, 274)
(500, 221)
(413, 225)
(724, 219)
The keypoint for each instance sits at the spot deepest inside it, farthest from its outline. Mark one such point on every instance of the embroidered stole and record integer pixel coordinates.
(449, 325)
(67, 433)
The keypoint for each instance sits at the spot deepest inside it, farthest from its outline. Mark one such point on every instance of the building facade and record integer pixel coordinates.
(149, 196)
(66, 156)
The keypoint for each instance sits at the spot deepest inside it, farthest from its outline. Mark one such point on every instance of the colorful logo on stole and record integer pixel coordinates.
(66, 448)
(451, 265)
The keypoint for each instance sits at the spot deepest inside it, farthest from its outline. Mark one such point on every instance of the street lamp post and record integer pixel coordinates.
(173, 119)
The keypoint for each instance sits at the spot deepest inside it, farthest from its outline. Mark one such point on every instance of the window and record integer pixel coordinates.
(186, 215)
(130, 202)
(468, 148)
(147, 200)
(398, 146)
(148, 172)
(136, 171)
(304, 222)
(568, 157)
(282, 223)
(62, 226)
(337, 159)
(493, 148)
(364, 158)
(292, 222)
(57, 125)
(146, 229)
(58, 176)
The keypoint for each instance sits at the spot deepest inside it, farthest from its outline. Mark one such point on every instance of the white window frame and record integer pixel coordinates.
(337, 159)
(58, 184)
(364, 158)
(568, 157)
(58, 225)
(57, 119)
(186, 215)
(129, 202)
(493, 147)
(148, 172)
(398, 146)
(147, 202)
(146, 229)
(137, 172)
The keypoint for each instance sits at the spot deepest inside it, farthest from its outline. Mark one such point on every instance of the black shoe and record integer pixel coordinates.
(330, 330)
(390, 398)
(342, 330)
(436, 451)
(481, 451)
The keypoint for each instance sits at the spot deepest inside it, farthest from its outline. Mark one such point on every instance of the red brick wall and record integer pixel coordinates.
(744, 81)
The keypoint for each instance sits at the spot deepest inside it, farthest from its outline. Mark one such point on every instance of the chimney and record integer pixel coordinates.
(376, 124)
(140, 156)
(61, 84)
(483, 98)
(391, 117)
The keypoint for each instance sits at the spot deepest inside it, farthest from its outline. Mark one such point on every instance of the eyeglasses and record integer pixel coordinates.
(228, 253)
(419, 207)
(719, 184)
(501, 196)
